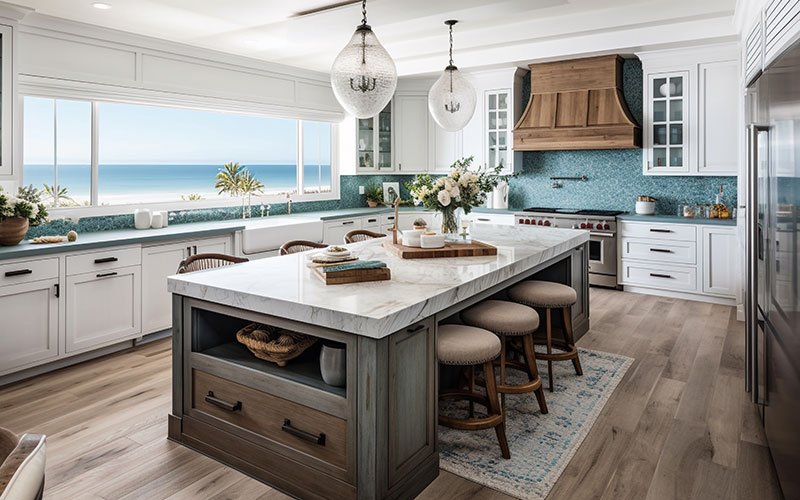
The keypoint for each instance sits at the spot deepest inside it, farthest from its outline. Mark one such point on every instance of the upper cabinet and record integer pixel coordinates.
(768, 34)
(413, 126)
(6, 99)
(691, 111)
(374, 142)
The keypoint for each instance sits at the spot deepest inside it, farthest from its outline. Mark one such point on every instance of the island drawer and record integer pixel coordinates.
(110, 258)
(291, 429)
(659, 275)
(28, 271)
(672, 252)
(654, 230)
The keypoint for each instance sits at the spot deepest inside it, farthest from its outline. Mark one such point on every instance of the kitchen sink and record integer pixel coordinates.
(268, 234)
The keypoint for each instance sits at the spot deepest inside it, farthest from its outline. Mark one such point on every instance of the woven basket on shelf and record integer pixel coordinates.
(274, 344)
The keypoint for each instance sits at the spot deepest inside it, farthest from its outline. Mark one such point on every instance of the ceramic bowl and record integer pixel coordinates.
(645, 207)
(431, 240)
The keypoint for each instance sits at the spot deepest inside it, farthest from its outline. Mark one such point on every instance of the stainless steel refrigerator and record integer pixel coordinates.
(773, 238)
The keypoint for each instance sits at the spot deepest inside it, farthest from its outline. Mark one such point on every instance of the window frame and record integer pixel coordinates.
(223, 201)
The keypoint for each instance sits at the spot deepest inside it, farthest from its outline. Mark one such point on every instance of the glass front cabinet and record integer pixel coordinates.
(498, 129)
(374, 141)
(667, 127)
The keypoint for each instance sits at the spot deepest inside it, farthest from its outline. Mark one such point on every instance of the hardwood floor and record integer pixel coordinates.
(678, 426)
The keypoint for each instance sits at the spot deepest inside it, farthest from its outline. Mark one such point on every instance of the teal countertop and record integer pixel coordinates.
(674, 219)
(103, 239)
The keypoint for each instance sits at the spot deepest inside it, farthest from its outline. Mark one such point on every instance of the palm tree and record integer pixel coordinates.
(229, 179)
(249, 185)
(57, 194)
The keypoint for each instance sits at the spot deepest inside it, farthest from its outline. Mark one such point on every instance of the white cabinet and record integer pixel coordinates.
(6, 99)
(158, 263)
(446, 149)
(103, 308)
(489, 218)
(335, 230)
(374, 142)
(30, 323)
(753, 56)
(692, 117)
(212, 245)
(434, 220)
(412, 133)
(719, 260)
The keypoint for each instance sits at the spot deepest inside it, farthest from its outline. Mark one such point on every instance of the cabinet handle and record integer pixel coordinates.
(57, 290)
(661, 250)
(294, 431)
(106, 275)
(372, 220)
(347, 223)
(105, 260)
(237, 406)
(484, 220)
(415, 328)
(194, 249)
(656, 275)
(18, 273)
(660, 230)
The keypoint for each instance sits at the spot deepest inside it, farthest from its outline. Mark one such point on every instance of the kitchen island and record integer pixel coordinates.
(375, 437)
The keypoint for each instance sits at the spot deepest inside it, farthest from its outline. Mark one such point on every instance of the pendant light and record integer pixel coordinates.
(451, 100)
(363, 75)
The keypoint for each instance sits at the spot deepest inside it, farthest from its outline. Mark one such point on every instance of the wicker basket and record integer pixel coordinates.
(274, 344)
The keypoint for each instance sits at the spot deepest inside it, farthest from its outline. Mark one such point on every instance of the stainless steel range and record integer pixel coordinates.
(602, 227)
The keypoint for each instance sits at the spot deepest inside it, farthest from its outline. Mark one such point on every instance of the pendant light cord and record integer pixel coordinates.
(363, 12)
(451, 44)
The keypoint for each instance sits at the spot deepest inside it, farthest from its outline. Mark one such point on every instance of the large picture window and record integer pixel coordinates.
(155, 154)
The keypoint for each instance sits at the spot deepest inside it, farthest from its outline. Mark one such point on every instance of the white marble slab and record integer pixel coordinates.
(284, 286)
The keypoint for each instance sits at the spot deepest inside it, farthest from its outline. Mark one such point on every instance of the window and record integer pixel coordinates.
(154, 154)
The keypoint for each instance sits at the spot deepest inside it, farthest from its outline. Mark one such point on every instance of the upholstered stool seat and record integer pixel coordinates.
(502, 317)
(22, 464)
(549, 296)
(467, 347)
(514, 324)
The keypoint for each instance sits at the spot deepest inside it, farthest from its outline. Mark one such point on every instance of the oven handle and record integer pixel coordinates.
(604, 235)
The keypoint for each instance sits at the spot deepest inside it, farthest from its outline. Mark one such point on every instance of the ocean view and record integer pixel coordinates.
(148, 183)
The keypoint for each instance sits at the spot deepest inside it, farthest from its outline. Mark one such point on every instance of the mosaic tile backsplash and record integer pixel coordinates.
(615, 180)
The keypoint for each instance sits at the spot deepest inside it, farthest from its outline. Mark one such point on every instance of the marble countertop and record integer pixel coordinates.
(674, 219)
(285, 287)
(103, 239)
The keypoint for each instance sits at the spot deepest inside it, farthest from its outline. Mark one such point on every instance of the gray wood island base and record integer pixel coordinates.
(375, 437)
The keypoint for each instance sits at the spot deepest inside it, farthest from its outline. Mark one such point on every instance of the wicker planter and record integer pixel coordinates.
(13, 230)
(274, 344)
(372, 203)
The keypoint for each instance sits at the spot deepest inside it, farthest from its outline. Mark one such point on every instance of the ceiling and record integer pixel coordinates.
(490, 32)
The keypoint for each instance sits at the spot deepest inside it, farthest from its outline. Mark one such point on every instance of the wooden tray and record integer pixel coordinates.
(353, 276)
(474, 249)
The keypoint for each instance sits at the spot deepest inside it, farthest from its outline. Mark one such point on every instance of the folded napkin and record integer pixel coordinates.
(350, 266)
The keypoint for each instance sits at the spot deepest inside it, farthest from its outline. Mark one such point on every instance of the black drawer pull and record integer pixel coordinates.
(106, 275)
(237, 406)
(105, 260)
(415, 329)
(660, 230)
(661, 250)
(656, 275)
(294, 431)
(18, 273)
(484, 220)
(372, 220)
(347, 223)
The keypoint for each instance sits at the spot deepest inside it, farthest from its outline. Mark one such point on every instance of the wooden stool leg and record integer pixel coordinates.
(502, 372)
(530, 360)
(549, 348)
(569, 339)
(471, 384)
(494, 408)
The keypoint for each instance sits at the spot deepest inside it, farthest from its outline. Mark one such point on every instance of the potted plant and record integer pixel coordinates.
(374, 193)
(454, 193)
(18, 213)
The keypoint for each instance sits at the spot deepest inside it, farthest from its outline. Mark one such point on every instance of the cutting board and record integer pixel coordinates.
(474, 249)
(353, 276)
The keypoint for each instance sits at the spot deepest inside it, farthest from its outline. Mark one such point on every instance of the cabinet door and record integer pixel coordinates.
(212, 245)
(667, 118)
(781, 26)
(30, 324)
(103, 308)
(498, 129)
(158, 263)
(580, 282)
(718, 120)
(412, 123)
(335, 231)
(719, 261)
(446, 148)
(6, 100)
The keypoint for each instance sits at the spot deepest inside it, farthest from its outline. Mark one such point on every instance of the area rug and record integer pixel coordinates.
(541, 445)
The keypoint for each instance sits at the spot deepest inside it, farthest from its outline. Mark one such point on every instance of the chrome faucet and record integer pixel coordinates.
(289, 203)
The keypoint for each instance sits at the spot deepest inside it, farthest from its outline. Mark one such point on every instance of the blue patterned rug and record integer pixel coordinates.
(541, 445)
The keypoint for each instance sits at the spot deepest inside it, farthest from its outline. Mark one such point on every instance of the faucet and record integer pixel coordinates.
(289, 203)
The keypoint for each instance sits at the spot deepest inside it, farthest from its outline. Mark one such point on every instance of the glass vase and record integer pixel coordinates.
(450, 222)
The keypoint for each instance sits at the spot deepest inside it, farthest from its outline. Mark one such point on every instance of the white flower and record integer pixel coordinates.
(444, 198)
(454, 192)
(448, 183)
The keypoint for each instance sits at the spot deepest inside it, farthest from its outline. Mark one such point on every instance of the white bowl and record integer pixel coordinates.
(645, 207)
(431, 240)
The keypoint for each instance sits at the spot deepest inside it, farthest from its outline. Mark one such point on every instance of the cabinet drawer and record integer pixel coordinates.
(387, 219)
(677, 232)
(29, 271)
(483, 218)
(103, 259)
(659, 276)
(670, 252)
(292, 426)
(371, 222)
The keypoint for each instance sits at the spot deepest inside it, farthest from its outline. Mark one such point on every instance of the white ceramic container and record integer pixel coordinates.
(411, 237)
(164, 218)
(645, 207)
(431, 240)
(141, 218)
(156, 220)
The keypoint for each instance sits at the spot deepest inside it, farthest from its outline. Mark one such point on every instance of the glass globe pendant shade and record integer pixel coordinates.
(363, 75)
(451, 100)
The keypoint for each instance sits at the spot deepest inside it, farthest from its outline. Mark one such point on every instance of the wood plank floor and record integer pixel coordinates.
(678, 426)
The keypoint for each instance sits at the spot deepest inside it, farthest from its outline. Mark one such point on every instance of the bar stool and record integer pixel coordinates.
(549, 295)
(465, 346)
(514, 324)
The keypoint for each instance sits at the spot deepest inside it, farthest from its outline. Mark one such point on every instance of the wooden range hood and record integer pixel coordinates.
(577, 104)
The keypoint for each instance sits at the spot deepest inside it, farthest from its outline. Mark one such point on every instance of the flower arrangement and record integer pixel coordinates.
(460, 189)
(18, 213)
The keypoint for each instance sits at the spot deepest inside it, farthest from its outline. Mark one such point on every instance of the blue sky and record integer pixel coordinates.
(137, 134)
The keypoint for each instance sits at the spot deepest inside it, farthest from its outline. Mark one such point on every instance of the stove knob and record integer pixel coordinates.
(541, 222)
(606, 227)
(589, 225)
(522, 221)
(575, 226)
(583, 225)
(547, 223)
(528, 222)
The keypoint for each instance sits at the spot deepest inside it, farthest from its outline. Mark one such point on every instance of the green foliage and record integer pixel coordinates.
(249, 185)
(26, 204)
(229, 179)
(57, 196)
(374, 192)
(191, 197)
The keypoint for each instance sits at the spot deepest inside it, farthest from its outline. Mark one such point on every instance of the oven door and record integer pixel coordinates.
(603, 253)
